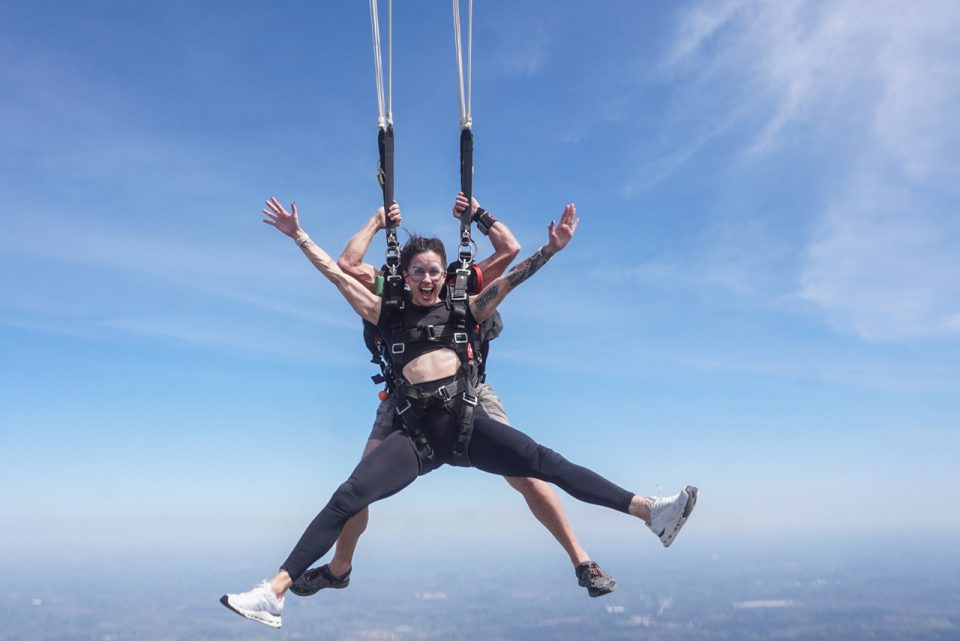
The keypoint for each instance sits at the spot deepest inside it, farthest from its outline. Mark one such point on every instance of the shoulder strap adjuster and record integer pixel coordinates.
(460, 338)
(406, 407)
(470, 399)
(398, 348)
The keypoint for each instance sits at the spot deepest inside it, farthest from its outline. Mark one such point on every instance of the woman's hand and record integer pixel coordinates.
(277, 216)
(562, 233)
(460, 205)
(394, 213)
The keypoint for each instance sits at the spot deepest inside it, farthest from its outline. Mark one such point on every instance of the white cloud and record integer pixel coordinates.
(697, 26)
(876, 88)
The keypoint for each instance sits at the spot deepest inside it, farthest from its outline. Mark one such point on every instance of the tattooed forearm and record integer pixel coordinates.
(487, 296)
(527, 268)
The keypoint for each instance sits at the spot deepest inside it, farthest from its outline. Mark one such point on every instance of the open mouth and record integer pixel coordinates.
(426, 290)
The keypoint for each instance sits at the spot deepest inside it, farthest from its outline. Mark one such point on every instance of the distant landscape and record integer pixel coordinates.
(874, 592)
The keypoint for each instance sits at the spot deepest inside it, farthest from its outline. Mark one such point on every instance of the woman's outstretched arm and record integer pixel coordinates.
(483, 304)
(363, 301)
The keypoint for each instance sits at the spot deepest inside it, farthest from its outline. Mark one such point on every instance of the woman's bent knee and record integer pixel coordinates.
(347, 500)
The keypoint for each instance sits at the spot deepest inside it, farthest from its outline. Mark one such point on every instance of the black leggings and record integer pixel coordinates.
(393, 465)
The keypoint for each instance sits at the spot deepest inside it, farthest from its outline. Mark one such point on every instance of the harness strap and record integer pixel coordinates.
(442, 396)
(431, 333)
(411, 417)
(459, 397)
(461, 443)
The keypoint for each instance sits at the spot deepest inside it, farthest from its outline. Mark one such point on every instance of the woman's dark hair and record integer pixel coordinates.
(417, 245)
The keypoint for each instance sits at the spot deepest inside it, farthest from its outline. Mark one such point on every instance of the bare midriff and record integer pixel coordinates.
(432, 366)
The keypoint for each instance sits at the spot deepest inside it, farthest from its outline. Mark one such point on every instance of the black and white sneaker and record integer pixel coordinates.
(312, 581)
(668, 514)
(591, 576)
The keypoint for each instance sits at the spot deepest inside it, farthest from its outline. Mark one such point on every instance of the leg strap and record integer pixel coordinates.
(411, 417)
(461, 444)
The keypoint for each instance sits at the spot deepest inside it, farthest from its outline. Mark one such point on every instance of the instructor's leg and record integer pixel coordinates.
(546, 506)
(342, 559)
(539, 495)
(383, 426)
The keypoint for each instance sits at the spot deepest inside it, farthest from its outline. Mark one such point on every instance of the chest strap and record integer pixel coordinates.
(451, 333)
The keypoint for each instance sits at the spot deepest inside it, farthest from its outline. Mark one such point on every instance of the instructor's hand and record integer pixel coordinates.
(460, 205)
(394, 214)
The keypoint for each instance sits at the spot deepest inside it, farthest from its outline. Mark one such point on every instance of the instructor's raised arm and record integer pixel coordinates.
(363, 301)
(505, 245)
(351, 260)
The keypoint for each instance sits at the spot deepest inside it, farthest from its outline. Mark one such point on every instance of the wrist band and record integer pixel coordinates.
(545, 255)
(302, 241)
(484, 220)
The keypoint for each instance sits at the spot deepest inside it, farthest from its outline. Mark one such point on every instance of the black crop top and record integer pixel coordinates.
(416, 316)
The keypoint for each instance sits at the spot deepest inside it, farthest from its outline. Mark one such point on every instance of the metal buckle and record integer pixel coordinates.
(430, 332)
(467, 249)
(398, 348)
(401, 411)
(469, 399)
(460, 338)
(443, 393)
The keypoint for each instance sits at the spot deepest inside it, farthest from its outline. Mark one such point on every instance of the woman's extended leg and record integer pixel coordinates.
(501, 449)
(387, 470)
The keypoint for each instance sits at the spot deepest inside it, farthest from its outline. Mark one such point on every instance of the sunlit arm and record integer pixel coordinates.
(351, 260)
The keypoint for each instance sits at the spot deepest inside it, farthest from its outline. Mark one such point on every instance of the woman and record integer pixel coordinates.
(430, 369)
(539, 496)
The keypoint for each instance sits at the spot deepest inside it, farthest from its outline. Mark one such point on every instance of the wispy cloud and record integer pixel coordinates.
(696, 27)
(879, 88)
(886, 265)
(652, 172)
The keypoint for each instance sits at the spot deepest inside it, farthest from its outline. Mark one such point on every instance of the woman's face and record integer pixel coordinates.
(425, 275)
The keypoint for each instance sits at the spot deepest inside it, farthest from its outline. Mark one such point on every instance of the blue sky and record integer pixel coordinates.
(762, 297)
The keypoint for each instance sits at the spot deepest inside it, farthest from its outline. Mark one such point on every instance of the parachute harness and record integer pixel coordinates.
(458, 334)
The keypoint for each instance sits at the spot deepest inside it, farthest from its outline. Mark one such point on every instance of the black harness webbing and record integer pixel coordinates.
(393, 279)
(393, 298)
(457, 300)
(460, 396)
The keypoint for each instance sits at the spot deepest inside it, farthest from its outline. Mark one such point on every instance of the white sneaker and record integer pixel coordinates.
(259, 604)
(668, 514)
